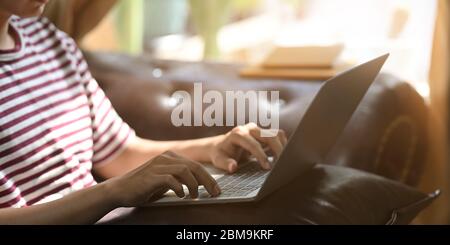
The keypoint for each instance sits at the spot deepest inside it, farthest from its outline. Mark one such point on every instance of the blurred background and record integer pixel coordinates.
(245, 30)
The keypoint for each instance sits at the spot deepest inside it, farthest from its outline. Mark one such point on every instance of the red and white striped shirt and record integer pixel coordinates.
(55, 121)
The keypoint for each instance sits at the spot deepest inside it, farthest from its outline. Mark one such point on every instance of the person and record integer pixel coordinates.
(58, 130)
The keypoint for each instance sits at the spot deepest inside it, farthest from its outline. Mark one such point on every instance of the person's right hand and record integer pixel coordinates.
(155, 177)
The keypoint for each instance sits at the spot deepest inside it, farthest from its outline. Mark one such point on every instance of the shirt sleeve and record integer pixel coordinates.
(110, 133)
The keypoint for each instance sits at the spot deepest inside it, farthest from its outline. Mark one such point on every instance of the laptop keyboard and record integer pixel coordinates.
(248, 178)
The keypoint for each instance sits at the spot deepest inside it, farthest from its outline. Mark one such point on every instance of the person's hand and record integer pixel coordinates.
(166, 171)
(242, 141)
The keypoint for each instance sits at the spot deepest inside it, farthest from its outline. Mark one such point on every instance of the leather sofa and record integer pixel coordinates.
(386, 137)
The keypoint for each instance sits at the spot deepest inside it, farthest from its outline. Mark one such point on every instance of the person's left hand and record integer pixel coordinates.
(242, 141)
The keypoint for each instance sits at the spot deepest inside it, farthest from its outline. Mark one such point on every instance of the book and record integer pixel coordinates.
(300, 63)
(302, 57)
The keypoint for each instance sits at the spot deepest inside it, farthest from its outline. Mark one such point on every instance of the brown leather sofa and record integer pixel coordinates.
(386, 135)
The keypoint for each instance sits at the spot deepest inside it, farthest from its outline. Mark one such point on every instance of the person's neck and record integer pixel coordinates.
(6, 41)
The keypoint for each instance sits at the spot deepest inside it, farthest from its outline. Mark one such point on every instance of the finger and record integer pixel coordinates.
(224, 162)
(256, 131)
(173, 184)
(155, 196)
(275, 145)
(203, 177)
(183, 174)
(273, 142)
(251, 145)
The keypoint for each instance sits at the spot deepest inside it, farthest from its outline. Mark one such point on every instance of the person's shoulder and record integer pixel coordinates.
(39, 29)
(32, 24)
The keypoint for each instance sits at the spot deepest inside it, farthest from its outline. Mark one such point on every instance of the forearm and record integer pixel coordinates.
(195, 149)
(81, 207)
(222, 150)
(139, 151)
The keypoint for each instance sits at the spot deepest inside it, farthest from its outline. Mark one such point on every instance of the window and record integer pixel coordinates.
(247, 29)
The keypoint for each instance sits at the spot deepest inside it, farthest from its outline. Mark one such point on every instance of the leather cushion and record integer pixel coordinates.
(324, 195)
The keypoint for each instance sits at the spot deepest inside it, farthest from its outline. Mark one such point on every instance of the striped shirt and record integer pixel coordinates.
(55, 121)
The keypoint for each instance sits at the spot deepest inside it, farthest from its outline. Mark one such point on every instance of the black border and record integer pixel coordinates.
(137, 234)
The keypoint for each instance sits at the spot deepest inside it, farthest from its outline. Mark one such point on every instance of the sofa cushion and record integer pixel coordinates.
(324, 195)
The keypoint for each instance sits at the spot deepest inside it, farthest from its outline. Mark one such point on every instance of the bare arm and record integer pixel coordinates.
(81, 207)
(223, 151)
(140, 186)
(139, 180)
(140, 150)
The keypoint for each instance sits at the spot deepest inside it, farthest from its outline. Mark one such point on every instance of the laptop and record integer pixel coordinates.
(318, 130)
